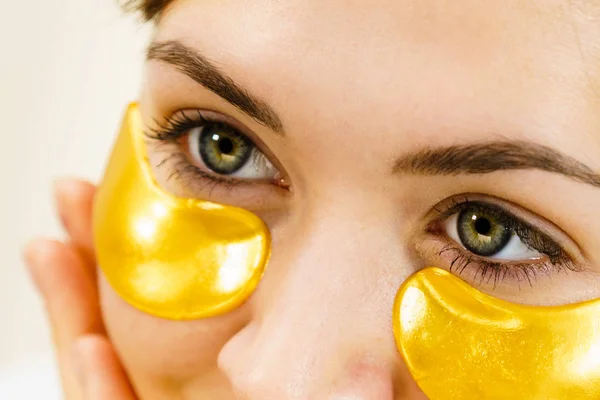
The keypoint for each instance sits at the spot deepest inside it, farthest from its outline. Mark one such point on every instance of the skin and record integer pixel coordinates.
(356, 87)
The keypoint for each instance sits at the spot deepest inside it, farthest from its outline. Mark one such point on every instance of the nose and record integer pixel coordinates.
(278, 371)
(321, 326)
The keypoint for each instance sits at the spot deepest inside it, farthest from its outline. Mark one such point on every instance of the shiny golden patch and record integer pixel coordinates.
(172, 257)
(460, 343)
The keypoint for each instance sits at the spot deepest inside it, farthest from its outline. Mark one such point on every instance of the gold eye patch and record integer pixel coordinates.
(171, 257)
(460, 343)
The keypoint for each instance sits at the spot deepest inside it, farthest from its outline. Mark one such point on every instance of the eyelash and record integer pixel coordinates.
(171, 131)
(557, 258)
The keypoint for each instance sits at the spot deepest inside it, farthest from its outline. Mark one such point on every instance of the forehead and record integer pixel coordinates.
(502, 66)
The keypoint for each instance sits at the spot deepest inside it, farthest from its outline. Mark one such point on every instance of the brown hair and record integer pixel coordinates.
(150, 9)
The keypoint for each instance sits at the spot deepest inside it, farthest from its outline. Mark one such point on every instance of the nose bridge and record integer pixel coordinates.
(341, 260)
(324, 311)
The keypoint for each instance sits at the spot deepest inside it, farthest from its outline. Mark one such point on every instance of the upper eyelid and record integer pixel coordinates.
(178, 121)
(209, 115)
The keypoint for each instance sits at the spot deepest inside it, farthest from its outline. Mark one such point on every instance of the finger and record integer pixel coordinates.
(99, 370)
(74, 201)
(70, 298)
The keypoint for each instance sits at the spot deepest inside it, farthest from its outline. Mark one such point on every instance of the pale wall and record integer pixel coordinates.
(67, 69)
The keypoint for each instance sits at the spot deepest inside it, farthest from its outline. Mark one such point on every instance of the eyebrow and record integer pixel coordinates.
(199, 68)
(490, 157)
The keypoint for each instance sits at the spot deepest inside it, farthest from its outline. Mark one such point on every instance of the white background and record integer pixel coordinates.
(67, 70)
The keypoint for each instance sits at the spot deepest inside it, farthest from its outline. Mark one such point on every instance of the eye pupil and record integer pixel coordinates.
(225, 145)
(483, 226)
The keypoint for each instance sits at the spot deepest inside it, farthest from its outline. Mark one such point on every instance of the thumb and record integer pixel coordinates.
(99, 370)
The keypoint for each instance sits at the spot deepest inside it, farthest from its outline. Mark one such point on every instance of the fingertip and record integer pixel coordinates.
(72, 187)
(35, 254)
(39, 246)
(38, 251)
(53, 266)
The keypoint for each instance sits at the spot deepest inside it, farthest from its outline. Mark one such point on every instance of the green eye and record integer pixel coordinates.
(221, 148)
(482, 230)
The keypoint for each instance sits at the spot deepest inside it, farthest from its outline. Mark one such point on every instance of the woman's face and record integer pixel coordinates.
(374, 135)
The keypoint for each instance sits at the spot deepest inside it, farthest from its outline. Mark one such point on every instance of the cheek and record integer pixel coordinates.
(167, 355)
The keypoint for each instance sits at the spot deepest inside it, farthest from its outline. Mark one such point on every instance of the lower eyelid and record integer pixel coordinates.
(182, 181)
(439, 250)
(546, 289)
(487, 275)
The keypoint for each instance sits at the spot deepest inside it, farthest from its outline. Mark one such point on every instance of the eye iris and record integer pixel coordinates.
(482, 232)
(223, 150)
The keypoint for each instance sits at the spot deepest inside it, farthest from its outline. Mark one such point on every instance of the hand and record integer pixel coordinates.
(65, 275)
